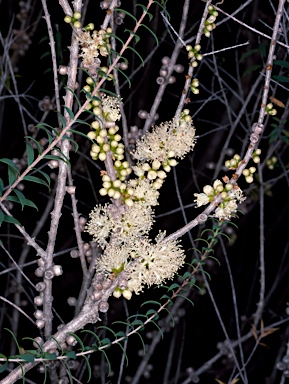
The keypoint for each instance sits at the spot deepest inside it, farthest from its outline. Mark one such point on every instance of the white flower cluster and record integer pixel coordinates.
(122, 229)
(110, 107)
(146, 263)
(93, 44)
(135, 222)
(170, 139)
(230, 195)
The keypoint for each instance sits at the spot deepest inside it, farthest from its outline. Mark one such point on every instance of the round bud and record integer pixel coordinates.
(63, 70)
(72, 301)
(224, 195)
(103, 306)
(49, 273)
(95, 124)
(103, 192)
(77, 24)
(127, 294)
(77, 15)
(117, 294)
(38, 300)
(57, 269)
(38, 314)
(128, 202)
(208, 190)
(102, 156)
(38, 341)
(39, 272)
(70, 340)
(91, 135)
(249, 179)
(40, 287)
(67, 19)
(219, 188)
(229, 187)
(252, 169)
(40, 323)
(246, 172)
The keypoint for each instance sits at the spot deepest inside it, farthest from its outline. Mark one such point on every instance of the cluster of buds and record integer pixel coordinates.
(106, 140)
(283, 365)
(234, 162)
(229, 193)
(271, 162)
(116, 189)
(74, 20)
(248, 173)
(256, 156)
(270, 110)
(164, 71)
(195, 86)
(194, 55)
(210, 22)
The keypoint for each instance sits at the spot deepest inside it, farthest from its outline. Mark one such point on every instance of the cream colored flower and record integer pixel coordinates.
(201, 199)
(110, 107)
(169, 139)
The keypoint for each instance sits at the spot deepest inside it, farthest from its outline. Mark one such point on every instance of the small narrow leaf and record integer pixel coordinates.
(2, 216)
(141, 59)
(37, 180)
(126, 12)
(10, 220)
(154, 35)
(1, 187)
(69, 111)
(12, 170)
(30, 153)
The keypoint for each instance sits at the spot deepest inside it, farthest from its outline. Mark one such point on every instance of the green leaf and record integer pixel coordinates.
(171, 316)
(262, 49)
(186, 298)
(125, 355)
(23, 200)
(74, 94)
(173, 286)
(106, 328)
(282, 63)
(78, 339)
(108, 362)
(127, 78)
(2, 217)
(39, 149)
(137, 38)
(27, 357)
(128, 47)
(145, 10)
(69, 111)
(152, 312)
(37, 180)
(30, 153)
(161, 332)
(126, 12)
(251, 69)
(63, 120)
(105, 342)
(10, 220)
(70, 354)
(49, 356)
(88, 368)
(247, 54)
(142, 341)
(92, 333)
(73, 141)
(1, 187)
(81, 134)
(151, 302)
(15, 340)
(164, 9)
(12, 170)
(281, 79)
(3, 366)
(154, 35)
